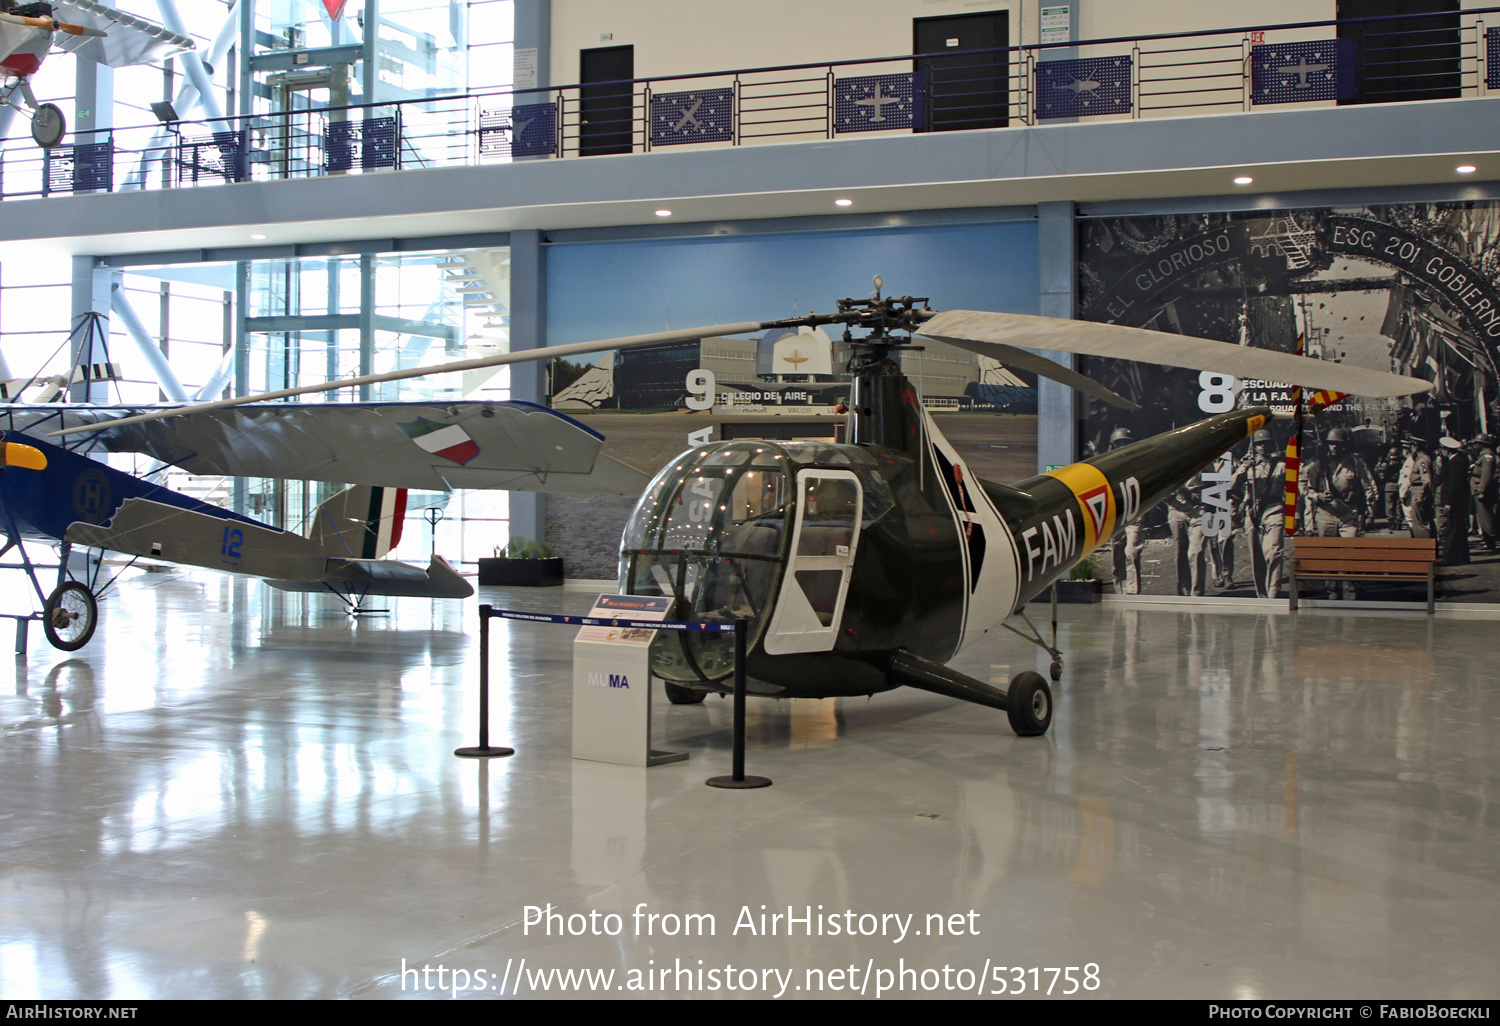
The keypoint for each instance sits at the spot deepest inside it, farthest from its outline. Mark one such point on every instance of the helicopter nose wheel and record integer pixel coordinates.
(1028, 704)
(1056, 670)
(69, 616)
(679, 695)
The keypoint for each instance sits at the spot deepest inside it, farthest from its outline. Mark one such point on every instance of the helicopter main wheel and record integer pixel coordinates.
(1028, 704)
(679, 695)
(69, 616)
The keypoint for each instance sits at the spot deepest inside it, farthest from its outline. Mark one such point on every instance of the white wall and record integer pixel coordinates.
(681, 36)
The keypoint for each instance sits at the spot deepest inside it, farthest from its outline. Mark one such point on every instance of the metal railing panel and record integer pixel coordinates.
(1163, 75)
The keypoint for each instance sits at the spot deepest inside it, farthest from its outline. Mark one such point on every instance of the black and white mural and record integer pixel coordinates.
(1404, 288)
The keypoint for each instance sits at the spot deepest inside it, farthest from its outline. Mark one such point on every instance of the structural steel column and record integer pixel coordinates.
(366, 321)
(1058, 407)
(91, 293)
(528, 381)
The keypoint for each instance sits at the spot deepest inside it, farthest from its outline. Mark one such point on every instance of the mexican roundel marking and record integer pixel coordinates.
(1096, 505)
(1092, 489)
(450, 441)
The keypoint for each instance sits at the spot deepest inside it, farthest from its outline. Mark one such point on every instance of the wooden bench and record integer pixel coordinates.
(1363, 559)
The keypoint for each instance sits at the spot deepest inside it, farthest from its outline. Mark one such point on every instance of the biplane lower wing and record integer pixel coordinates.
(429, 446)
(141, 527)
(387, 577)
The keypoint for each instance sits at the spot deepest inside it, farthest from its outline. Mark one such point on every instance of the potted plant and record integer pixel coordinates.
(523, 562)
(1082, 584)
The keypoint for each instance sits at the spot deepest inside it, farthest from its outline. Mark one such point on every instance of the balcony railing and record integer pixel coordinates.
(1306, 64)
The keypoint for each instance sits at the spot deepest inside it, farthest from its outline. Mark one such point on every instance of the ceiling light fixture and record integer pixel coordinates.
(663, 213)
(1243, 180)
(1466, 169)
(843, 203)
(257, 236)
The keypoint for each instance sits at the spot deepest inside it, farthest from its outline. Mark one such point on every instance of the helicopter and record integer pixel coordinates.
(866, 565)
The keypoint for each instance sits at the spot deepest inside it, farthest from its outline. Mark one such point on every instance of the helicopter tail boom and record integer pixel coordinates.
(1083, 505)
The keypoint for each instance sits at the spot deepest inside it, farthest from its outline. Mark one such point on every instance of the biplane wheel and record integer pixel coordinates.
(69, 616)
(1028, 704)
(48, 125)
(679, 695)
(1056, 670)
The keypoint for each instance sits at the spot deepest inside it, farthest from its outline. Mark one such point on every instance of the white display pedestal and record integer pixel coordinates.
(612, 684)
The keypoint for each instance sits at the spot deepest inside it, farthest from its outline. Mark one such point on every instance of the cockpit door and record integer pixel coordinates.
(811, 604)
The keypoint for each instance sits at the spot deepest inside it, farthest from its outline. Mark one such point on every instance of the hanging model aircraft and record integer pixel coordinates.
(867, 565)
(93, 31)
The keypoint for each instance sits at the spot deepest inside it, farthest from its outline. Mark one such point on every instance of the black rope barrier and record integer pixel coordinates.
(737, 778)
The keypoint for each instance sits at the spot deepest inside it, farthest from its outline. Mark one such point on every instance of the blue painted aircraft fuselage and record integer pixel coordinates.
(72, 488)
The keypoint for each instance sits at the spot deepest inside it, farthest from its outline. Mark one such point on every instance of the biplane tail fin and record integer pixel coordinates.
(362, 522)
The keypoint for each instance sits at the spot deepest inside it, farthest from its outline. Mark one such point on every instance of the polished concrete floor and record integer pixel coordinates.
(236, 793)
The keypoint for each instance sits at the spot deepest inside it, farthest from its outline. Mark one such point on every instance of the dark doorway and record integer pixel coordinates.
(606, 112)
(962, 90)
(1415, 58)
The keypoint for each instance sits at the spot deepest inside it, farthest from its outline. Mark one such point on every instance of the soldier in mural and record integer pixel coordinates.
(1338, 490)
(1259, 488)
(1415, 487)
(1185, 511)
(1388, 480)
(1127, 546)
(1485, 488)
(1451, 502)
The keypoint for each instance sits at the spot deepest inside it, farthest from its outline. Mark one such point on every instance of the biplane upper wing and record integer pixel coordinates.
(429, 446)
(127, 38)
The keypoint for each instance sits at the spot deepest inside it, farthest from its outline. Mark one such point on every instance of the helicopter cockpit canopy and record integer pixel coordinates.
(764, 531)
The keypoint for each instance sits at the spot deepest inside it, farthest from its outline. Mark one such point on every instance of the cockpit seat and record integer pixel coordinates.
(824, 539)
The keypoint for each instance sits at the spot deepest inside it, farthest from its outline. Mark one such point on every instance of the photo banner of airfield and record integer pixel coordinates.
(1410, 289)
(783, 371)
(610, 289)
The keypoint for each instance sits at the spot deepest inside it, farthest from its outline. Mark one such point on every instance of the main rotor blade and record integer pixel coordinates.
(1039, 365)
(576, 349)
(1115, 341)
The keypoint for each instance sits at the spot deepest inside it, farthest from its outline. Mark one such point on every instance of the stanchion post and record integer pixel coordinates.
(483, 749)
(737, 780)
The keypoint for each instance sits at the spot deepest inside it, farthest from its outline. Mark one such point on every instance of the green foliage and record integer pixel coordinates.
(564, 373)
(525, 548)
(1085, 569)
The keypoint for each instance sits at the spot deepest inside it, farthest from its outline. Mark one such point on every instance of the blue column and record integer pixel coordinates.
(533, 30)
(93, 108)
(528, 381)
(93, 101)
(1058, 407)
